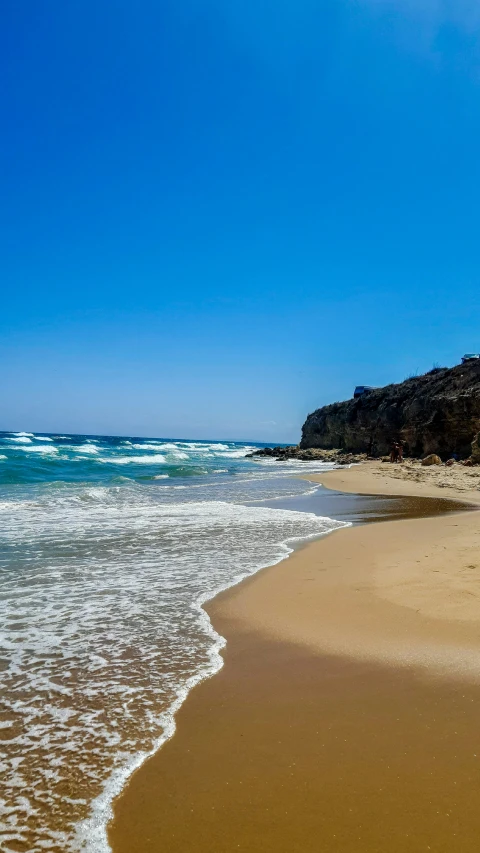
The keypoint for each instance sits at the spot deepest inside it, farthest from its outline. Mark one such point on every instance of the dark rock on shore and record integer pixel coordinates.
(432, 459)
(293, 451)
(476, 449)
(435, 413)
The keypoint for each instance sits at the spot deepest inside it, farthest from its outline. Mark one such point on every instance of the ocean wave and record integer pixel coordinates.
(20, 440)
(24, 434)
(195, 445)
(148, 446)
(156, 459)
(233, 454)
(2, 456)
(82, 448)
(161, 477)
(42, 438)
(40, 449)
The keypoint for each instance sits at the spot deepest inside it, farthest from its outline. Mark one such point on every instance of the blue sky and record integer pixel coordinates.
(217, 216)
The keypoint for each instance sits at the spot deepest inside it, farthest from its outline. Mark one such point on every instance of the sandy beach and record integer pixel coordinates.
(346, 715)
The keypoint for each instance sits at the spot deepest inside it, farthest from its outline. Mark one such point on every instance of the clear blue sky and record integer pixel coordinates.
(218, 215)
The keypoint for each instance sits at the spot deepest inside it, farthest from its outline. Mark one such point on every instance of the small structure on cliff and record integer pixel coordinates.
(438, 412)
(360, 390)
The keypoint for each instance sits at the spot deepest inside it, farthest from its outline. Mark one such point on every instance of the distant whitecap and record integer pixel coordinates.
(40, 449)
(148, 446)
(232, 454)
(156, 459)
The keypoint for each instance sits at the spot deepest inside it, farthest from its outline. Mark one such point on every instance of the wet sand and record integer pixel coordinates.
(410, 478)
(346, 715)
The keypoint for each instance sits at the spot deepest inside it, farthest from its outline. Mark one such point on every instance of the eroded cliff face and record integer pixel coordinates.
(435, 413)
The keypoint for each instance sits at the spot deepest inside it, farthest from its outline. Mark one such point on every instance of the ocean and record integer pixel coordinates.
(108, 548)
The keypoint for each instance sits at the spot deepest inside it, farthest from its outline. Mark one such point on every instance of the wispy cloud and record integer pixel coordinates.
(445, 32)
(429, 15)
(284, 33)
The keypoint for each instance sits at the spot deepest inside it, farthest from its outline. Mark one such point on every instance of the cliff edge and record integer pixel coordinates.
(438, 412)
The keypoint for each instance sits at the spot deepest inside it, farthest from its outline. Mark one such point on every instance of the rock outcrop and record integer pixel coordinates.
(431, 459)
(292, 451)
(435, 413)
(476, 449)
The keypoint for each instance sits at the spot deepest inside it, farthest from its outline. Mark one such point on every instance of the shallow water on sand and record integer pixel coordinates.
(108, 548)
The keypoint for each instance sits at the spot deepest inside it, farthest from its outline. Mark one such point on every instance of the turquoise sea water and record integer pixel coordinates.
(108, 547)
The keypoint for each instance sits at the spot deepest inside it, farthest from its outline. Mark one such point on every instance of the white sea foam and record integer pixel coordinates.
(113, 575)
(2, 456)
(40, 449)
(42, 438)
(233, 454)
(155, 459)
(196, 445)
(126, 574)
(20, 440)
(92, 832)
(148, 446)
(24, 434)
(168, 446)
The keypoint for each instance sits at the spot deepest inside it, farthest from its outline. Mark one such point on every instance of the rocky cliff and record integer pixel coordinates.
(435, 413)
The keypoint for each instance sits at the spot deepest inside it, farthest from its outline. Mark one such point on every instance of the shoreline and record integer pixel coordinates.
(403, 480)
(92, 832)
(270, 625)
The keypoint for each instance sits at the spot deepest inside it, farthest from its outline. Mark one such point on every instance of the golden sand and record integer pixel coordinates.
(346, 715)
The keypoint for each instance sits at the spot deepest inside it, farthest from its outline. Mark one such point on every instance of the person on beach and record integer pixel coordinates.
(394, 452)
(400, 451)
